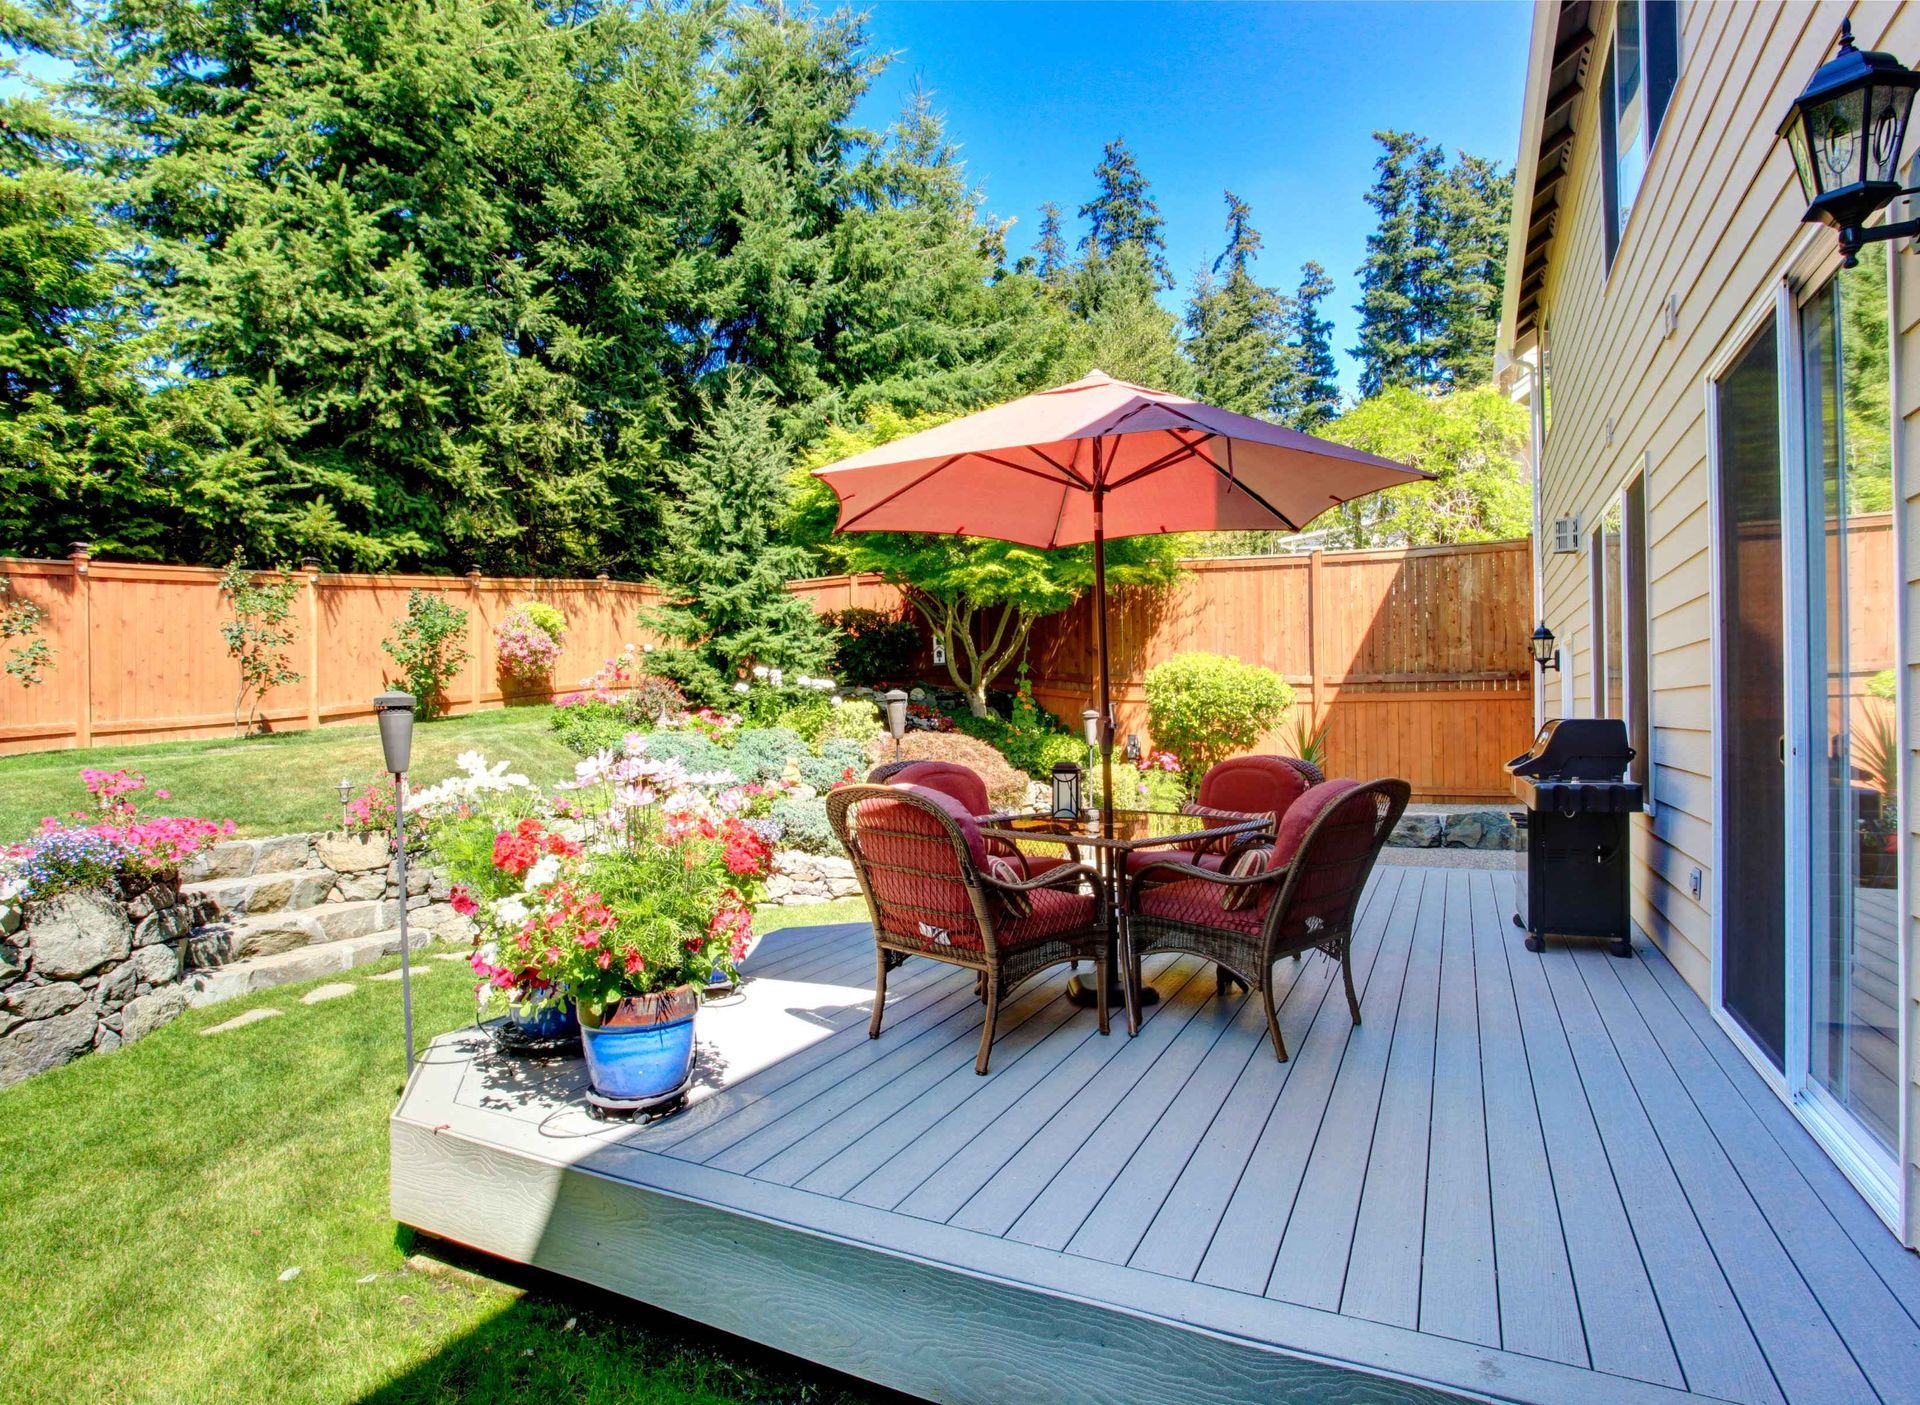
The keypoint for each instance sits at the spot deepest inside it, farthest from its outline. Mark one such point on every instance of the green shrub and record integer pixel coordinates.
(587, 727)
(854, 720)
(426, 645)
(873, 648)
(760, 754)
(698, 680)
(834, 760)
(1207, 707)
(803, 824)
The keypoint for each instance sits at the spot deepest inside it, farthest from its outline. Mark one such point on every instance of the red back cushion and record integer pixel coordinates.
(949, 778)
(1334, 868)
(918, 885)
(1253, 785)
(1300, 816)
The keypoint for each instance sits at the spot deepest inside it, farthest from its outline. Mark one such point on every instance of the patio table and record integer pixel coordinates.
(1133, 831)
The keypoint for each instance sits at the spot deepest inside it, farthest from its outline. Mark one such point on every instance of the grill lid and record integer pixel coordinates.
(1576, 748)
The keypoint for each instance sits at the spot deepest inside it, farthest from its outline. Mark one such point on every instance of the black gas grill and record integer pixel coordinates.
(1575, 883)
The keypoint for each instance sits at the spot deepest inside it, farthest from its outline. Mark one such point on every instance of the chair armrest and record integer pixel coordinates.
(1050, 879)
(1201, 840)
(1139, 880)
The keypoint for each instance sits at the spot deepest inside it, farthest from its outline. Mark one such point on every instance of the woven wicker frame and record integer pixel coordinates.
(1001, 968)
(1249, 957)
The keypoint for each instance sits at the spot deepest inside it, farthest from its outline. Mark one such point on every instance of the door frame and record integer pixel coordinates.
(1864, 1165)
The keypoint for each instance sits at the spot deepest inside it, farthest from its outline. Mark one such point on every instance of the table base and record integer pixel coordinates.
(1083, 992)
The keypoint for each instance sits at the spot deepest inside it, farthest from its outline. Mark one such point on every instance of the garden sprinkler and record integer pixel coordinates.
(897, 719)
(394, 712)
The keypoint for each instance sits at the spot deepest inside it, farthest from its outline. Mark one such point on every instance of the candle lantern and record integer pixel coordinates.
(1066, 791)
(897, 718)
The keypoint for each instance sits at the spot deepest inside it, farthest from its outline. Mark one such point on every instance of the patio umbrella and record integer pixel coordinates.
(1098, 459)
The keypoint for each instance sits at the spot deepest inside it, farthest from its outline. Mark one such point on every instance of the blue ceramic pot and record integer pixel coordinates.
(639, 1061)
(553, 1021)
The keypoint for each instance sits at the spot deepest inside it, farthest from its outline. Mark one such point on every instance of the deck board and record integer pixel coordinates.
(1541, 1178)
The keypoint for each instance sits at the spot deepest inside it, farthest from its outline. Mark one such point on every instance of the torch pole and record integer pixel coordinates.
(400, 869)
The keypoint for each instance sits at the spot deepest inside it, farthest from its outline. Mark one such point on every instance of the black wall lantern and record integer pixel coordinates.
(1544, 652)
(1845, 133)
(1066, 791)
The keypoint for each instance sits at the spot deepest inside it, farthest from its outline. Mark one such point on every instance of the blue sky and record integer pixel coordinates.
(1277, 102)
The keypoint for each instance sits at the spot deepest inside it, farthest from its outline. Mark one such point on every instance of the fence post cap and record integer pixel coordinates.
(80, 549)
(473, 573)
(310, 564)
(602, 577)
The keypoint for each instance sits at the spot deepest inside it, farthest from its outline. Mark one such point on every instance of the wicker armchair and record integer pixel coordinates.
(1301, 897)
(931, 892)
(1231, 791)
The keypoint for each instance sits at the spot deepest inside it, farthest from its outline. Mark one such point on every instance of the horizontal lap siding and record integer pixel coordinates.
(1716, 223)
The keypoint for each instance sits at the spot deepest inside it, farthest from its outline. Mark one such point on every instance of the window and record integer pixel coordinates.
(1636, 85)
(1618, 566)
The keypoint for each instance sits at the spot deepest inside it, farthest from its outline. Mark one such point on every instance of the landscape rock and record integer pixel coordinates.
(360, 887)
(241, 1021)
(12, 963)
(43, 1002)
(1480, 829)
(1417, 831)
(117, 988)
(156, 964)
(333, 990)
(105, 1040)
(148, 1012)
(281, 854)
(79, 932)
(38, 1045)
(352, 853)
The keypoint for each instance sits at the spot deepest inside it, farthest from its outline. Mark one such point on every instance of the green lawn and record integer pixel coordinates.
(277, 784)
(155, 1197)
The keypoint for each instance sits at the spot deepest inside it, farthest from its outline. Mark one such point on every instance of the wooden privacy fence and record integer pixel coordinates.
(1416, 661)
(138, 655)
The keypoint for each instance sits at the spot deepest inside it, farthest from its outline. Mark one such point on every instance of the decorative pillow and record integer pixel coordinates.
(1005, 870)
(1251, 861)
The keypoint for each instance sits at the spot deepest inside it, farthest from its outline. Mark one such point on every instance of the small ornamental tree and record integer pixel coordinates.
(257, 635)
(21, 619)
(1206, 707)
(426, 646)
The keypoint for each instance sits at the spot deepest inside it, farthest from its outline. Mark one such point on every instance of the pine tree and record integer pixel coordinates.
(1124, 213)
(1309, 396)
(1235, 334)
(723, 571)
(1473, 202)
(1119, 325)
(1050, 248)
(1392, 301)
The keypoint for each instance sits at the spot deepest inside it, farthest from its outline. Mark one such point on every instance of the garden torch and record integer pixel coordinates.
(395, 714)
(897, 719)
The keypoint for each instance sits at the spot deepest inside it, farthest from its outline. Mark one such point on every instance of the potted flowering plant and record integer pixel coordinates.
(521, 898)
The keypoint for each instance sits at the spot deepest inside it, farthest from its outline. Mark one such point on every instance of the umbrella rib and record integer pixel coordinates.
(847, 526)
(1185, 451)
(1023, 468)
(1066, 469)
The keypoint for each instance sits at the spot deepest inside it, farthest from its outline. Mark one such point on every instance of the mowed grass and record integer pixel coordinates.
(155, 1196)
(282, 783)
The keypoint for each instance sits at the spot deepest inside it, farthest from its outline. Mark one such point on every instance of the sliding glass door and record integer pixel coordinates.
(1849, 652)
(1752, 703)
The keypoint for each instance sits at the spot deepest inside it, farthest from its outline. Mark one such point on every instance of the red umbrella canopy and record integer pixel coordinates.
(1029, 471)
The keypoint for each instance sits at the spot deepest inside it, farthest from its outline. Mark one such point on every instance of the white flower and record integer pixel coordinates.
(801, 680)
(759, 671)
(509, 910)
(644, 648)
(740, 687)
(773, 677)
(542, 873)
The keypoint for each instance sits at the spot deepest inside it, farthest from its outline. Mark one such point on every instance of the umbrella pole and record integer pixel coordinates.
(1100, 649)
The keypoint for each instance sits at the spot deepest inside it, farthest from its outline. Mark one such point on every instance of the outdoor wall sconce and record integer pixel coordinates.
(1544, 652)
(897, 719)
(1066, 791)
(1845, 132)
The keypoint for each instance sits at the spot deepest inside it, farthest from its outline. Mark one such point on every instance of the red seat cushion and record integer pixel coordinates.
(1197, 902)
(1055, 910)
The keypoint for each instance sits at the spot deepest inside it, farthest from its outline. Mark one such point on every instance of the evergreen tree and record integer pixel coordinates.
(1389, 306)
(723, 571)
(1235, 326)
(1119, 325)
(1050, 249)
(1124, 213)
(1473, 202)
(1309, 395)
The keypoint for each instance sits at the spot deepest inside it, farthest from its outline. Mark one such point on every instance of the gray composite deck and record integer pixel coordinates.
(1538, 1178)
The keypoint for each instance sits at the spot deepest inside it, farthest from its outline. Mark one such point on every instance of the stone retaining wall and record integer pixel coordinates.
(91, 969)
